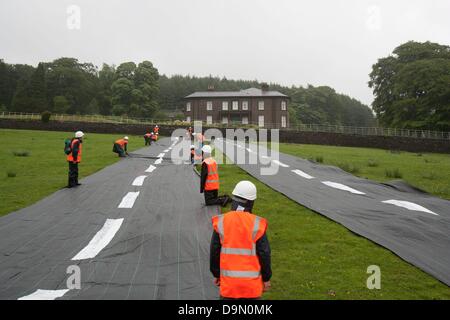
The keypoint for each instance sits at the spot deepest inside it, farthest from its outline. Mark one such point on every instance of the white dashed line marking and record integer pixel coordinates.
(281, 164)
(409, 205)
(139, 181)
(150, 169)
(302, 174)
(341, 187)
(158, 161)
(100, 240)
(128, 200)
(161, 155)
(45, 294)
(167, 150)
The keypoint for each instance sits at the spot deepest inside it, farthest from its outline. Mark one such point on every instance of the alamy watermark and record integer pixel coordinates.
(73, 21)
(374, 280)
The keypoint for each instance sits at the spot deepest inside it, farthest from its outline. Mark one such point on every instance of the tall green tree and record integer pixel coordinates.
(31, 96)
(412, 87)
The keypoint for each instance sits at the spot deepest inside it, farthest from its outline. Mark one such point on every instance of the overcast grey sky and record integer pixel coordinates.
(333, 42)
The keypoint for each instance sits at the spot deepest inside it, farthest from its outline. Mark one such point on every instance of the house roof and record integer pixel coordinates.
(251, 92)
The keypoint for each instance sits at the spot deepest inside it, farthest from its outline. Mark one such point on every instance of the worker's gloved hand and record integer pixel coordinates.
(267, 286)
(217, 282)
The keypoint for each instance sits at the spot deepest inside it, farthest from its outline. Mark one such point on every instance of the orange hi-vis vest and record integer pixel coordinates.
(121, 142)
(156, 130)
(240, 270)
(70, 155)
(212, 180)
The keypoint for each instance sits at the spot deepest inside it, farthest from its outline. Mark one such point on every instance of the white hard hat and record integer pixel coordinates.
(152, 132)
(79, 134)
(246, 190)
(126, 138)
(157, 126)
(192, 147)
(207, 149)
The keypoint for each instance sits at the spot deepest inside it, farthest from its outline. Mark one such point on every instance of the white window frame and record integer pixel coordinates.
(188, 106)
(283, 121)
(235, 105)
(261, 105)
(225, 120)
(245, 105)
(283, 105)
(209, 105)
(209, 120)
(224, 105)
(261, 121)
(245, 121)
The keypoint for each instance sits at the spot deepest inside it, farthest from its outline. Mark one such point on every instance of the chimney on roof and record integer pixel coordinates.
(264, 87)
(211, 87)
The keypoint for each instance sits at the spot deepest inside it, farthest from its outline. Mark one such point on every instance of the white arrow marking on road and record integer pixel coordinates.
(409, 205)
(128, 200)
(341, 187)
(150, 169)
(139, 181)
(158, 161)
(280, 163)
(45, 294)
(100, 240)
(302, 174)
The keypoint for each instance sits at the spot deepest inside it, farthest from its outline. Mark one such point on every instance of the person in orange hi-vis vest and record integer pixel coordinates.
(74, 158)
(240, 251)
(209, 180)
(120, 147)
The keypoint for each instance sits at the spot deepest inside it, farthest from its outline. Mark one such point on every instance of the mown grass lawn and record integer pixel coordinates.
(316, 258)
(427, 171)
(33, 163)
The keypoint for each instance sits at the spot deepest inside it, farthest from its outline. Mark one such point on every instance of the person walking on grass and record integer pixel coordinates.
(240, 251)
(73, 151)
(120, 147)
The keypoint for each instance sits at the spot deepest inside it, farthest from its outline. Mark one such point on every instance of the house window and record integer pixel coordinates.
(235, 105)
(261, 121)
(283, 105)
(208, 119)
(209, 105)
(188, 119)
(283, 121)
(244, 120)
(225, 105)
(188, 106)
(244, 105)
(225, 120)
(261, 105)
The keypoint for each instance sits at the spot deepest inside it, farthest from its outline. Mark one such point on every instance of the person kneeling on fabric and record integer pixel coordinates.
(209, 180)
(120, 147)
(240, 258)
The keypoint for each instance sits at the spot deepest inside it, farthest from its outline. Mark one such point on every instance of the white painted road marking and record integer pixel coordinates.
(158, 161)
(150, 169)
(409, 205)
(128, 200)
(167, 150)
(302, 174)
(139, 181)
(161, 155)
(281, 164)
(341, 187)
(45, 294)
(100, 240)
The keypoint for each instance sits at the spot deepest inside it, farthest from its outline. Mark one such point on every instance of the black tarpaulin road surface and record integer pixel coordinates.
(160, 251)
(419, 237)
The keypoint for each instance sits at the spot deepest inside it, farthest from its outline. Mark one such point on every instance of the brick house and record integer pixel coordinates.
(261, 107)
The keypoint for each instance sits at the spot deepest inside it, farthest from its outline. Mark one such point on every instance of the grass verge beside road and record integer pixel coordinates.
(33, 163)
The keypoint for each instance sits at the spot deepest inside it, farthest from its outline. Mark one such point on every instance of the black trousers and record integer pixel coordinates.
(73, 174)
(118, 149)
(212, 198)
(148, 141)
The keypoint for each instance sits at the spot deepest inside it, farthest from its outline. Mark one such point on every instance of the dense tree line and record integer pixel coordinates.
(412, 87)
(66, 85)
(318, 105)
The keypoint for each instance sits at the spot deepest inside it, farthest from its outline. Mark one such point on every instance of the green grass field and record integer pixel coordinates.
(429, 172)
(313, 257)
(39, 167)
